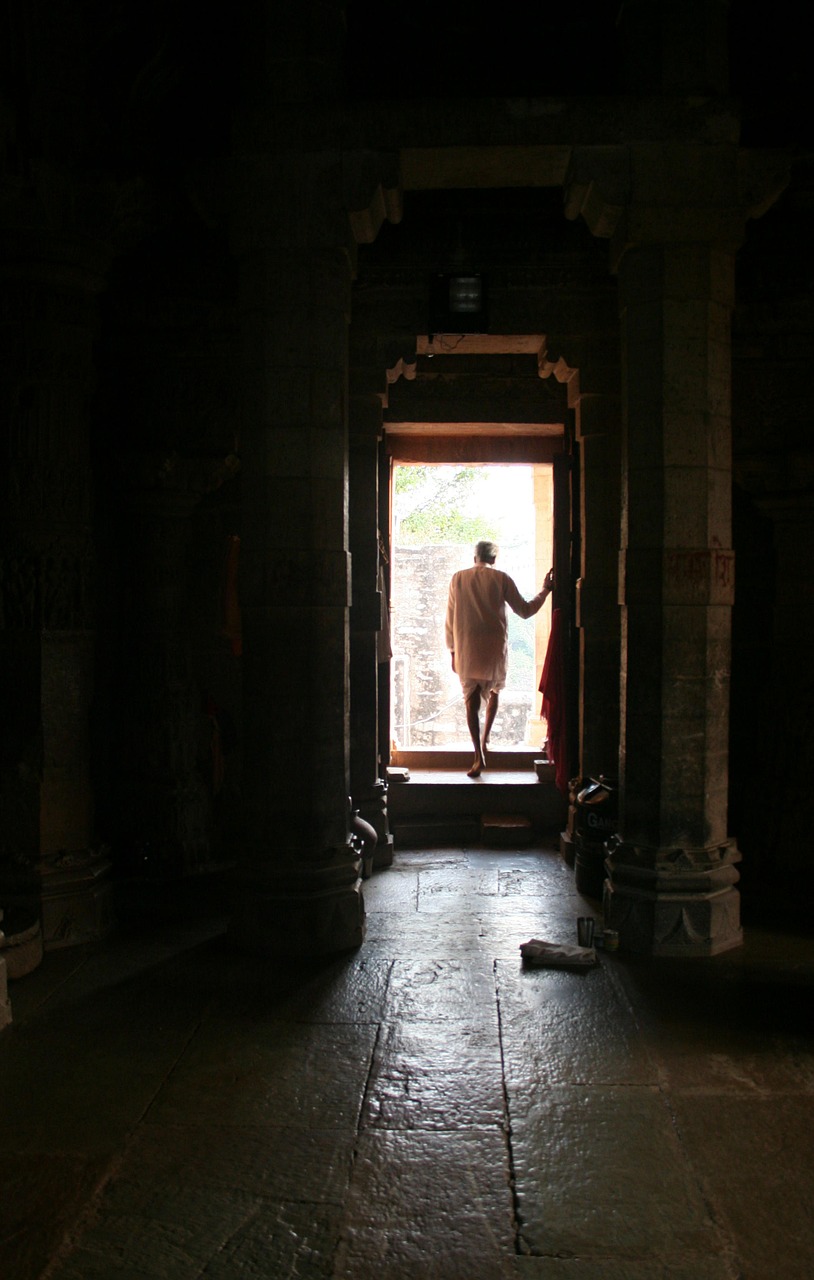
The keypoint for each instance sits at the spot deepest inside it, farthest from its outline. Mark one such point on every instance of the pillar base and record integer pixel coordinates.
(310, 909)
(372, 806)
(568, 850)
(673, 902)
(383, 857)
(20, 946)
(76, 897)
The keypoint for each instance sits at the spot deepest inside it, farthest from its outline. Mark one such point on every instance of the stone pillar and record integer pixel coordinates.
(672, 873)
(5, 1005)
(368, 789)
(298, 886)
(675, 213)
(786, 698)
(163, 814)
(48, 862)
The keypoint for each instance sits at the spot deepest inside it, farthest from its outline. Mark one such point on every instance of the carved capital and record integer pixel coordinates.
(597, 187)
(372, 190)
(671, 192)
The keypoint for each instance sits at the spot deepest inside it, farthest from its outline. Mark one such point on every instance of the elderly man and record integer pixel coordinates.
(477, 635)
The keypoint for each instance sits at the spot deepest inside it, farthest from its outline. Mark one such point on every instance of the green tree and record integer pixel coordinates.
(428, 504)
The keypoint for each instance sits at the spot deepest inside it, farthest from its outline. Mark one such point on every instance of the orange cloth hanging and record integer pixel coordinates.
(552, 687)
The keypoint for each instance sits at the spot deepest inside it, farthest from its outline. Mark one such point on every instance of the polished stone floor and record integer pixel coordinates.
(424, 1108)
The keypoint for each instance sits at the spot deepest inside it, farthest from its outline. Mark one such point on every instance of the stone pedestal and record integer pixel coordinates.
(673, 902)
(21, 948)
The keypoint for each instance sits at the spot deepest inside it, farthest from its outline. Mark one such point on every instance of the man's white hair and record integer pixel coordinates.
(486, 551)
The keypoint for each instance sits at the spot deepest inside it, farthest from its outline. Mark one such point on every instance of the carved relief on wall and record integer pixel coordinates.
(50, 591)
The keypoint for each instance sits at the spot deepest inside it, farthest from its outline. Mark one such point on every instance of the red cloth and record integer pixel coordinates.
(552, 687)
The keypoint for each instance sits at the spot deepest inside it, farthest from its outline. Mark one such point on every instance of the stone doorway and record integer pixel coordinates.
(438, 510)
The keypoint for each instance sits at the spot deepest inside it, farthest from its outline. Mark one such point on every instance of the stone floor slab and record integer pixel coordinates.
(614, 1268)
(431, 1205)
(424, 1107)
(436, 988)
(601, 1170)
(263, 1162)
(754, 1158)
(242, 1072)
(564, 1027)
(42, 1195)
(440, 1076)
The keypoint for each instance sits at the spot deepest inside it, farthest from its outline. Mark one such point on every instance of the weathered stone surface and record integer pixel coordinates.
(578, 1187)
(429, 1204)
(423, 1107)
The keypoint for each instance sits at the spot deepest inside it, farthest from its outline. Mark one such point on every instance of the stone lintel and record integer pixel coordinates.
(310, 908)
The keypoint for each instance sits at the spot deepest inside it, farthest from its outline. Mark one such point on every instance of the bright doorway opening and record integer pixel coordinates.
(439, 513)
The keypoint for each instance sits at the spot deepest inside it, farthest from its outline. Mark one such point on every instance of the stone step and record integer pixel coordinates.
(448, 808)
(506, 830)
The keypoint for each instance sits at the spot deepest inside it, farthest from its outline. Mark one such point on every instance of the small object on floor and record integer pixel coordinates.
(396, 773)
(585, 931)
(609, 940)
(557, 955)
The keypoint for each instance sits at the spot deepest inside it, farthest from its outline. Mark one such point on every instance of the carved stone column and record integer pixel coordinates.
(676, 213)
(5, 1006)
(298, 888)
(48, 862)
(163, 816)
(673, 874)
(787, 750)
(368, 788)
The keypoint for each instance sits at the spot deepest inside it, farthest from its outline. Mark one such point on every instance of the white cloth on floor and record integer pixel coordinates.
(557, 955)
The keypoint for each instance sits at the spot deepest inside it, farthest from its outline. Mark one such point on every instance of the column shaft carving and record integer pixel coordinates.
(672, 872)
(674, 212)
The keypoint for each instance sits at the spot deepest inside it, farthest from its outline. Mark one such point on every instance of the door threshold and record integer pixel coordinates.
(519, 760)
